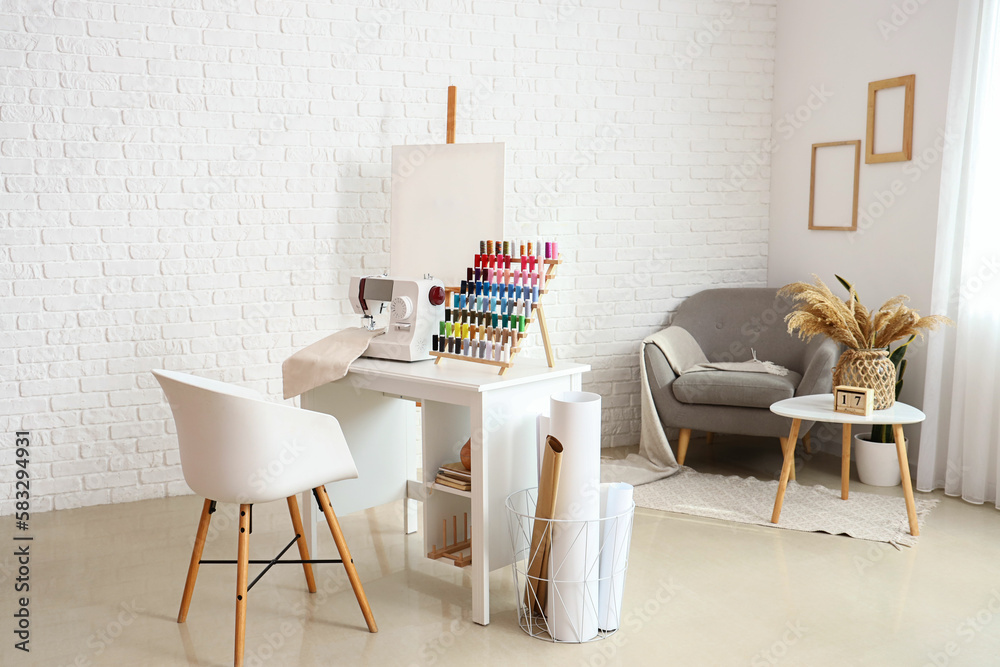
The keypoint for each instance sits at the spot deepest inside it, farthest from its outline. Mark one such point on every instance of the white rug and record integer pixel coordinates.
(807, 508)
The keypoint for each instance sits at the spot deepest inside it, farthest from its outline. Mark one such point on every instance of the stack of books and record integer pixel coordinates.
(455, 476)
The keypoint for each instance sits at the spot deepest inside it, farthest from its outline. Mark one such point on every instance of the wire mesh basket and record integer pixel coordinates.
(571, 591)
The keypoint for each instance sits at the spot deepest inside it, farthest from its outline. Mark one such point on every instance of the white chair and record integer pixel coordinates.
(236, 447)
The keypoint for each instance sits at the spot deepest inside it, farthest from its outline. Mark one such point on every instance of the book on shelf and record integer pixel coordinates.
(456, 470)
(453, 483)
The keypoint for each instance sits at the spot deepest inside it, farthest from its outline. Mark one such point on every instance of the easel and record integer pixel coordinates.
(550, 272)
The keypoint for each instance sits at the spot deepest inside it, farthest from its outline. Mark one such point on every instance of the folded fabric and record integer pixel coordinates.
(750, 366)
(681, 349)
(685, 355)
(324, 361)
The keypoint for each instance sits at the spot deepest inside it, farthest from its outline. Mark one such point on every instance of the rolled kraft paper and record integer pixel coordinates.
(616, 499)
(542, 431)
(538, 557)
(572, 601)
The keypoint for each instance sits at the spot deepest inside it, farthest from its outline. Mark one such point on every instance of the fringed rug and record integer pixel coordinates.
(865, 516)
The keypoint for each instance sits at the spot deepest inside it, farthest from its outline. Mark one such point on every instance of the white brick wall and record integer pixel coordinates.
(189, 184)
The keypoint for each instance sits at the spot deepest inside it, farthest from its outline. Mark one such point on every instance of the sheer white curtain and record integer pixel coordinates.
(960, 441)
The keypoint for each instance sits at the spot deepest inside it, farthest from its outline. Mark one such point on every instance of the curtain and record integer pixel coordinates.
(960, 441)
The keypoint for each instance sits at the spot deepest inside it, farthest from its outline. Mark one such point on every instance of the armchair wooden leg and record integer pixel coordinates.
(242, 562)
(708, 437)
(345, 555)
(199, 546)
(807, 442)
(293, 509)
(682, 445)
(784, 447)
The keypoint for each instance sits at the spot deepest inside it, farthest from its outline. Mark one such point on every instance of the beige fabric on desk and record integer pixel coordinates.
(325, 360)
(655, 459)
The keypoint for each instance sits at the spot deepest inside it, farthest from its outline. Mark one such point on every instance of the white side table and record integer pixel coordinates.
(819, 408)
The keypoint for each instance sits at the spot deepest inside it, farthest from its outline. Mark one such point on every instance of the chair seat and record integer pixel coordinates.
(735, 388)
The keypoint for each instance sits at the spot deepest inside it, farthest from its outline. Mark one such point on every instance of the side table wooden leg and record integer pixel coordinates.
(786, 469)
(904, 471)
(845, 463)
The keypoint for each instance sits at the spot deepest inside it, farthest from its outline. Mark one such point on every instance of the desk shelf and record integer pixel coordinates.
(447, 489)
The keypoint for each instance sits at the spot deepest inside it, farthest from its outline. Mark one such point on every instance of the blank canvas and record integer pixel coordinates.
(445, 199)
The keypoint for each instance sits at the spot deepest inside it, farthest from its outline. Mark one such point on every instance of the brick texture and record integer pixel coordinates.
(189, 184)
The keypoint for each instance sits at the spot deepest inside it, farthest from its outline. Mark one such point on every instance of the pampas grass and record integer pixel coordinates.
(848, 322)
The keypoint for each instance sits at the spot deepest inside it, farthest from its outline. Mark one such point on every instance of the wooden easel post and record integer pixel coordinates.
(451, 114)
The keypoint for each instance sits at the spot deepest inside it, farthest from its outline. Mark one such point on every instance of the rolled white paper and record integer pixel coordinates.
(616, 498)
(541, 432)
(573, 594)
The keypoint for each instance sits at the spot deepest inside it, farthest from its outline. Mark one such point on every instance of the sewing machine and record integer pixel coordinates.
(415, 308)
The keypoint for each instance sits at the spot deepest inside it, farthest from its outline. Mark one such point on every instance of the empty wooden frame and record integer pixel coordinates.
(833, 185)
(891, 121)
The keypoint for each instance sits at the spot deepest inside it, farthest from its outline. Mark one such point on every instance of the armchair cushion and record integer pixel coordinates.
(737, 389)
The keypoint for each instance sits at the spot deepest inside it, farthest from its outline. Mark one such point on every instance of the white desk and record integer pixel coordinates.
(819, 408)
(374, 406)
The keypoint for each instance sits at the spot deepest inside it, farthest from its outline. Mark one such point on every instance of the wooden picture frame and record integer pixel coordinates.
(909, 82)
(812, 186)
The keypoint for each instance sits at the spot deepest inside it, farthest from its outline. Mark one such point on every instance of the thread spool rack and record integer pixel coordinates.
(519, 336)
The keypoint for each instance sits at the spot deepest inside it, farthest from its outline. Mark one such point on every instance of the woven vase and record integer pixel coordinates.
(870, 369)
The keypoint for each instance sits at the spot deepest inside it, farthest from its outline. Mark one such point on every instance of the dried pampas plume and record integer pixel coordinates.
(821, 312)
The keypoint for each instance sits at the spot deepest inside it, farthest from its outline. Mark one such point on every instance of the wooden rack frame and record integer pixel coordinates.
(454, 550)
(550, 273)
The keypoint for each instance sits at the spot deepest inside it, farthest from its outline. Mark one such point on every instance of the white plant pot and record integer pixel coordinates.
(878, 462)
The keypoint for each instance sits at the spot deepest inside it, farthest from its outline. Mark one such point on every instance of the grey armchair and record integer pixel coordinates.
(727, 324)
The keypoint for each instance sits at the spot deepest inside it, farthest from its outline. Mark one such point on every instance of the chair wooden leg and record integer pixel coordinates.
(682, 445)
(242, 561)
(807, 442)
(345, 555)
(293, 509)
(199, 546)
(708, 437)
(784, 446)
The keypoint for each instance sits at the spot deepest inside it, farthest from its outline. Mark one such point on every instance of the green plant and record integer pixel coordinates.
(883, 432)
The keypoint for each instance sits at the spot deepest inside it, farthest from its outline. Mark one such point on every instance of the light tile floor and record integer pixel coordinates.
(106, 582)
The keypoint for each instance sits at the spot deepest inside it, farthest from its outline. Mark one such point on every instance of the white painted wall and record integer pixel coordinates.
(190, 185)
(836, 47)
